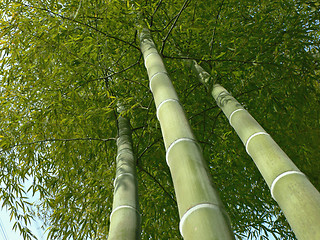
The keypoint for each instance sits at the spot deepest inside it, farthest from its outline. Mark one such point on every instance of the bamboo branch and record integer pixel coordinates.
(122, 70)
(144, 124)
(157, 181)
(81, 23)
(147, 148)
(166, 26)
(208, 109)
(154, 12)
(185, 5)
(105, 78)
(214, 124)
(215, 27)
(218, 60)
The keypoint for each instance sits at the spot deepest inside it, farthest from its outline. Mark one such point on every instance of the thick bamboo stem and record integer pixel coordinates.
(125, 217)
(202, 215)
(296, 196)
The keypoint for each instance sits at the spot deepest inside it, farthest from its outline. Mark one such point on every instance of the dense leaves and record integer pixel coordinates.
(64, 64)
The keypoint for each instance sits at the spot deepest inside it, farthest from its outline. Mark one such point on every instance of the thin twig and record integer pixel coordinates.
(63, 45)
(136, 82)
(214, 124)
(81, 23)
(166, 26)
(207, 109)
(218, 60)
(114, 73)
(144, 124)
(185, 5)
(122, 70)
(147, 148)
(215, 27)
(154, 12)
(258, 88)
(192, 89)
(156, 180)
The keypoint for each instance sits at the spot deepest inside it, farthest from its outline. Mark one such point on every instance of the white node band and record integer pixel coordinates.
(237, 110)
(281, 176)
(153, 77)
(252, 136)
(119, 138)
(120, 175)
(175, 142)
(121, 151)
(165, 101)
(193, 209)
(145, 58)
(124, 206)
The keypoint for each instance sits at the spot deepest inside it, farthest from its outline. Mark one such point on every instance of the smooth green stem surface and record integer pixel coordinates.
(202, 215)
(125, 217)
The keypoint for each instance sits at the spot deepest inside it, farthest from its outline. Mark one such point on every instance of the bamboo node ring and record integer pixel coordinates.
(151, 78)
(148, 55)
(281, 176)
(237, 110)
(120, 175)
(165, 101)
(252, 136)
(123, 150)
(175, 142)
(124, 206)
(195, 208)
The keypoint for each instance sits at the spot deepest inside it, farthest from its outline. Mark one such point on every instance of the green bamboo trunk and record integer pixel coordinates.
(296, 196)
(125, 217)
(202, 215)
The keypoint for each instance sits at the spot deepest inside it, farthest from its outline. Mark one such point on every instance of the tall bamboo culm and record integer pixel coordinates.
(125, 217)
(202, 215)
(296, 196)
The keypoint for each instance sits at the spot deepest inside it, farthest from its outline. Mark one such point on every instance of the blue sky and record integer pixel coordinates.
(35, 227)
(7, 233)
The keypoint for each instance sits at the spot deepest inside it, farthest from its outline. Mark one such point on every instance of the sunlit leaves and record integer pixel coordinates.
(65, 63)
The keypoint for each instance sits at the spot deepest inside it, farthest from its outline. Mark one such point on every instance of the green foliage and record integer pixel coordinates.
(65, 63)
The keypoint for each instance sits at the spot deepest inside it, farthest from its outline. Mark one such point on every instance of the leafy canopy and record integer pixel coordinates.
(64, 64)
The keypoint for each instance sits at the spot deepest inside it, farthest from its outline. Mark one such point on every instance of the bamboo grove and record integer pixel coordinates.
(67, 65)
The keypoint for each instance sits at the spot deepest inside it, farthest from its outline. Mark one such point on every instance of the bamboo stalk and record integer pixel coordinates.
(202, 215)
(125, 217)
(296, 196)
